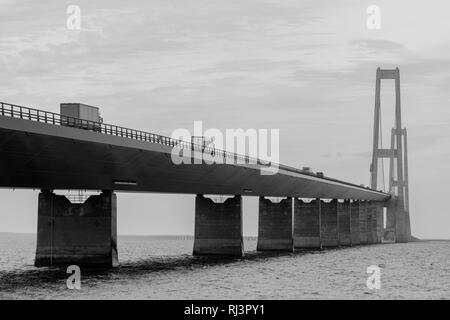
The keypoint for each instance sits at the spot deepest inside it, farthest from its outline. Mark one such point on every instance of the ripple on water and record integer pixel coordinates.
(165, 269)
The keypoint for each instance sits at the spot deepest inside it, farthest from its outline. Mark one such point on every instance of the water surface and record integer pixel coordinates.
(161, 268)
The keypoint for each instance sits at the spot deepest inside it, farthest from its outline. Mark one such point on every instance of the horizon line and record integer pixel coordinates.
(191, 235)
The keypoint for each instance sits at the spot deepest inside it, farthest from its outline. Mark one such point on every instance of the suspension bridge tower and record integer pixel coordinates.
(397, 217)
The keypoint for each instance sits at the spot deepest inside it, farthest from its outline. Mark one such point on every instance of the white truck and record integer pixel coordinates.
(80, 115)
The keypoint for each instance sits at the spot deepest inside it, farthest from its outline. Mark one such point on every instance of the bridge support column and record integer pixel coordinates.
(389, 230)
(218, 227)
(81, 234)
(371, 222)
(275, 225)
(354, 222)
(398, 219)
(362, 222)
(374, 221)
(380, 222)
(306, 224)
(329, 223)
(344, 217)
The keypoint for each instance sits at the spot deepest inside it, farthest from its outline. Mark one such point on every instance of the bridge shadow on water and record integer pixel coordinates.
(31, 276)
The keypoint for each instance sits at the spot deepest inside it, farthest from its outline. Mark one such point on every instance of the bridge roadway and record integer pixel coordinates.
(39, 150)
(35, 153)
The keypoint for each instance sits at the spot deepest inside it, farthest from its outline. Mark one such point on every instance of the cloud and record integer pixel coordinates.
(377, 45)
(305, 67)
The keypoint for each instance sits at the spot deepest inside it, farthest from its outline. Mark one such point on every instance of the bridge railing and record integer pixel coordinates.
(15, 111)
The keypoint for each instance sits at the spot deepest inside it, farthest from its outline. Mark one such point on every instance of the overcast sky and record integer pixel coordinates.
(306, 68)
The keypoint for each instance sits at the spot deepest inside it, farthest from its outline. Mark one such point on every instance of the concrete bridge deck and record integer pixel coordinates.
(36, 151)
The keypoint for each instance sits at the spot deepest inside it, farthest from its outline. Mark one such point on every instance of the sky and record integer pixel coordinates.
(306, 68)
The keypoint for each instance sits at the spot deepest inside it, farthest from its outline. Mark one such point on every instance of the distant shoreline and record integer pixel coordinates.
(188, 237)
(155, 236)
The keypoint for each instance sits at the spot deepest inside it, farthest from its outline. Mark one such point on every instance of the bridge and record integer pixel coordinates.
(49, 151)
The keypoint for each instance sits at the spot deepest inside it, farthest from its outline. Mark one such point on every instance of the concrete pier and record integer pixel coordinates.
(306, 224)
(398, 220)
(374, 222)
(275, 225)
(362, 222)
(329, 223)
(371, 223)
(354, 222)
(380, 222)
(389, 231)
(344, 218)
(218, 227)
(82, 234)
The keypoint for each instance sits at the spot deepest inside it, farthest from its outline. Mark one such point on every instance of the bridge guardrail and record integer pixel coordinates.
(15, 111)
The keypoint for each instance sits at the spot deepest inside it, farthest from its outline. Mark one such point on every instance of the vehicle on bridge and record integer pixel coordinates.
(80, 115)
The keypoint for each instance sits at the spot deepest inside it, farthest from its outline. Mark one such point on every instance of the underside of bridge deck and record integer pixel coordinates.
(44, 156)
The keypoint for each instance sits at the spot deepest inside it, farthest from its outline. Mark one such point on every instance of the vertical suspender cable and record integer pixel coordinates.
(382, 159)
